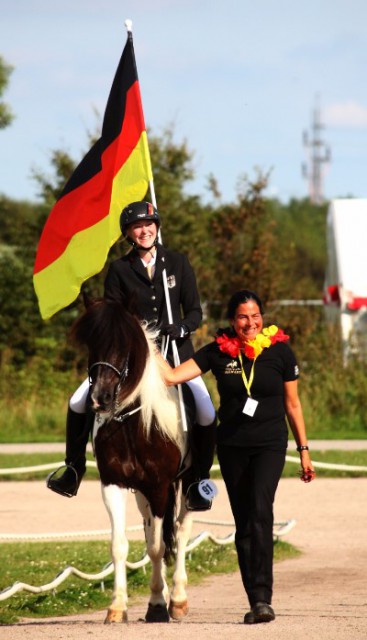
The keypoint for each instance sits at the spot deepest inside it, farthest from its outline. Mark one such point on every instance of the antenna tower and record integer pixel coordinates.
(318, 155)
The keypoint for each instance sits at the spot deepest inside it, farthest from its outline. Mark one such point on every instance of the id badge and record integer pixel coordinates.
(250, 407)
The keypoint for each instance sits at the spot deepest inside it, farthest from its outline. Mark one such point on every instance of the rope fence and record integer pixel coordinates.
(215, 467)
(280, 529)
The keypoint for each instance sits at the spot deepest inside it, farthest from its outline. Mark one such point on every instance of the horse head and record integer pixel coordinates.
(117, 353)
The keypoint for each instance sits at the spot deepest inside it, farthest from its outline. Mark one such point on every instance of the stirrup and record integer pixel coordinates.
(200, 494)
(54, 485)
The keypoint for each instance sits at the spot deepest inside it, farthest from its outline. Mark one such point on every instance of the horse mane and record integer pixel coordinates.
(157, 399)
(112, 333)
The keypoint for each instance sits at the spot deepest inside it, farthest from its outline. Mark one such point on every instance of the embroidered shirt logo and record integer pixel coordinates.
(232, 367)
(171, 282)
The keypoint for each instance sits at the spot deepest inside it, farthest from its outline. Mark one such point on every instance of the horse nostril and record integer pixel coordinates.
(104, 399)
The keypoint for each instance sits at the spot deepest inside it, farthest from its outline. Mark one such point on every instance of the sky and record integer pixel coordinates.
(238, 80)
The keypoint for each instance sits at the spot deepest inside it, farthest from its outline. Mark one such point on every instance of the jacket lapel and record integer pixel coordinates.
(137, 265)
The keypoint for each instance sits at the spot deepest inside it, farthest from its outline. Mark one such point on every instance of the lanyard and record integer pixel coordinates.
(247, 383)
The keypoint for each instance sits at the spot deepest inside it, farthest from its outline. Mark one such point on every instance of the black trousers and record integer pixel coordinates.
(251, 478)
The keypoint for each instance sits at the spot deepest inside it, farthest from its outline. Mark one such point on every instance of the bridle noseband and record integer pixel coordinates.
(122, 375)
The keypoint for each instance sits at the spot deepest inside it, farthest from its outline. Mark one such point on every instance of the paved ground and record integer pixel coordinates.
(320, 596)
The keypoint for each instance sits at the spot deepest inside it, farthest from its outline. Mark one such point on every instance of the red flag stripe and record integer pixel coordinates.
(91, 201)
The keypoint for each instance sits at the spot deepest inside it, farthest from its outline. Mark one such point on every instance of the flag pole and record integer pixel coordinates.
(176, 359)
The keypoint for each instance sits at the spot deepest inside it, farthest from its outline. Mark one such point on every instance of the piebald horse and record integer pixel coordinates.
(139, 444)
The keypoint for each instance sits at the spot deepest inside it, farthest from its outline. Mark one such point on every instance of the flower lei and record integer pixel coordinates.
(253, 348)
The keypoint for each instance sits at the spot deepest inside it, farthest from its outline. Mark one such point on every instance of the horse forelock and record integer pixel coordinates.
(107, 330)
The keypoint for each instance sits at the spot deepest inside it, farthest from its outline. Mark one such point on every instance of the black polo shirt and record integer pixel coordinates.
(267, 427)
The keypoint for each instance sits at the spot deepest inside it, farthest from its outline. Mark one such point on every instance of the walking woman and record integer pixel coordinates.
(256, 373)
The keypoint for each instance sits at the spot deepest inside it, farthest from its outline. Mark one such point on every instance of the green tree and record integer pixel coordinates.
(243, 244)
(6, 115)
(185, 220)
(301, 242)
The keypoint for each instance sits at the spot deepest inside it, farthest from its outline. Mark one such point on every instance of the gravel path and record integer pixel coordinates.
(321, 595)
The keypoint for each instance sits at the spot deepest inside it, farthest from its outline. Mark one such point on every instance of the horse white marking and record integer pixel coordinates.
(115, 500)
(160, 402)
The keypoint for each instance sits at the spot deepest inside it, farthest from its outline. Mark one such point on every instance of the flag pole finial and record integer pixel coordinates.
(129, 25)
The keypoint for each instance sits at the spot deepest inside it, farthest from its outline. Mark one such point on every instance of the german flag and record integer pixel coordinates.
(84, 223)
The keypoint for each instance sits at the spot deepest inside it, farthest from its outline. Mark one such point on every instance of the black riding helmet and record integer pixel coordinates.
(137, 211)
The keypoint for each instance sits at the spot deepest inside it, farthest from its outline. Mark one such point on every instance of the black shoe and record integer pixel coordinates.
(260, 612)
(194, 501)
(68, 484)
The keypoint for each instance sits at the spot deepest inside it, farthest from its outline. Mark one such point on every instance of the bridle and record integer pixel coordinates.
(122, 375)
(101, 363)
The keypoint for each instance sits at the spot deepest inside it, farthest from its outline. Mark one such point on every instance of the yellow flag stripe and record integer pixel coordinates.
(59, 284)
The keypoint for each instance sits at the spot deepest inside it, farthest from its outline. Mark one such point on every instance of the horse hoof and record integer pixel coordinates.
(115, 616)
(157, 613)
(178, 610)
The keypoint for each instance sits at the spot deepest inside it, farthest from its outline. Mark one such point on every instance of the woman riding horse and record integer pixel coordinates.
(139, 275)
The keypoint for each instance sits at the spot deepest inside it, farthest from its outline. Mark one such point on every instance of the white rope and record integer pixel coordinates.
(71, 535)
(215, 467)
(280, 528)
(330, 465)
(319, 465)
(40, 467)
(283, 527)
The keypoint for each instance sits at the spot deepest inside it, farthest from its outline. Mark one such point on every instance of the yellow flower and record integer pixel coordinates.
(261, 342)
(270, 331)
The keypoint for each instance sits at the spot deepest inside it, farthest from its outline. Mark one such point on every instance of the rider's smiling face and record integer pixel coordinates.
(142, 233)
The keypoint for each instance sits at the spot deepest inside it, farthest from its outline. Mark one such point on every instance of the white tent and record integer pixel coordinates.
(346, 274)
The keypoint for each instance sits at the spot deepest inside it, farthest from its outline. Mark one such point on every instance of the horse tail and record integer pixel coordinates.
(169, 524)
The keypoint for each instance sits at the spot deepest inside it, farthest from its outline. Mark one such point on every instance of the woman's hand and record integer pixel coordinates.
(307, 474)
(177, 375)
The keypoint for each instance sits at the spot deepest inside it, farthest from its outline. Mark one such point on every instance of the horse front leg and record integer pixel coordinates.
(178, 605)
(153, 526)
(115, 500)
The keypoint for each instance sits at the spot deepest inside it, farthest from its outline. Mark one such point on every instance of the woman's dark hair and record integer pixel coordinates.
(239, 298)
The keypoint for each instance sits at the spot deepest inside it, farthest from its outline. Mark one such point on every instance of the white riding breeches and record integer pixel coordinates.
(78, 400)
(205, 412)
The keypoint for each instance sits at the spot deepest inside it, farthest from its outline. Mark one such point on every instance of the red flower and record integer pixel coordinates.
(249, 351)
(253, 348)
(280, 336)
(231, 346)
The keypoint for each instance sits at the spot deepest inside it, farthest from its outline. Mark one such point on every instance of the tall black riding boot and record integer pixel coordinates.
(203, 449)
(77, 435)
